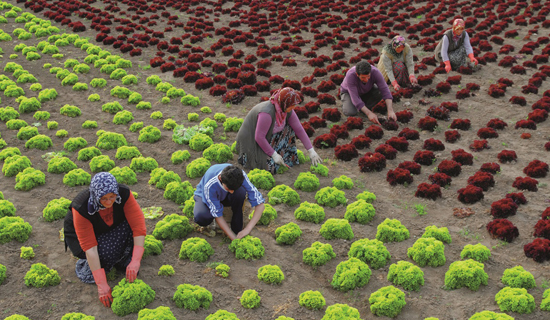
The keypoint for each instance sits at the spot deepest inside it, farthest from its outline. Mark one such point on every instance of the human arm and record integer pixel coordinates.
(88, 242)
(295, 124)
(258, 211)
(395, 85)
(133, 267)
(135, 217)
(469, 49)
(386, 61)
(136, 220)
(378, 78)
(212, 199)
(262, 128)
(391, 113)
(372, 117)
(409, 62)
(103, 288)
(254, 196)
(445, 48)
(100, 278)
(351, 85)
(226, 228)
(467, 44)
(444, 53)
(84, 231)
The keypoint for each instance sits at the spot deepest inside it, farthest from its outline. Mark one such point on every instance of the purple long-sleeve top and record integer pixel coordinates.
(445, 46)
(264, 123)
(356, 88)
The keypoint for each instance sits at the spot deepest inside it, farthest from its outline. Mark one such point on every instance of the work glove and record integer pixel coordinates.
(447, 66)
(278, 159)
(472, 59)
(395, 85)
(103, 288)
(133, 268)
(413, 80)
(315, 159)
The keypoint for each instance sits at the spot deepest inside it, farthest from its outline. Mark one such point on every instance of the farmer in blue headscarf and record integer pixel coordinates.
(105, 228)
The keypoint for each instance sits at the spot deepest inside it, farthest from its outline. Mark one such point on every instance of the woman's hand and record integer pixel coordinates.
(413, 80)
(473, 59)
(278, 159)
(103, 288)
(395, 85)
(133, 268)
(447, 66)
(315, 159)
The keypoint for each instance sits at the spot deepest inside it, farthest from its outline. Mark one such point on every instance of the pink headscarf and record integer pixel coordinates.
(457, 24)
(282, 99)
(397, 41)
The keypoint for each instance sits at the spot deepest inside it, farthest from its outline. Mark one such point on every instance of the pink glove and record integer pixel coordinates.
(133, 268)
(472, 59)
(413, 80)
(102, 287)
(447, 66)
(395, 85)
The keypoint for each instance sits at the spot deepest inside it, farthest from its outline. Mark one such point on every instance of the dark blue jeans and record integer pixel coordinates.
(203, 217)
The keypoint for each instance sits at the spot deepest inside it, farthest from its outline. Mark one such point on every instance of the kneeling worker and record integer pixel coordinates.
(226, 184)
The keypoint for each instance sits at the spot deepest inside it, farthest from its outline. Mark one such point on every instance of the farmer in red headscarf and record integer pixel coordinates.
(455, 48)
(396, 63)
(267, 138)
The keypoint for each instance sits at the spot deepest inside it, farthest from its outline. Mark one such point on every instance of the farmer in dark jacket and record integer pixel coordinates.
(105, 228)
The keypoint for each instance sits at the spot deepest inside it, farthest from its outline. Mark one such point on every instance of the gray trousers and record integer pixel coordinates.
(370, 99)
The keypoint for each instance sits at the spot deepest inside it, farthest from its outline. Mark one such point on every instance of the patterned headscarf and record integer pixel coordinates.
(282, 99)
(458, 23)
(102, 184)
(395, 43)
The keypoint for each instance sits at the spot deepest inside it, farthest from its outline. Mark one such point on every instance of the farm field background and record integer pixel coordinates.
(281, 39)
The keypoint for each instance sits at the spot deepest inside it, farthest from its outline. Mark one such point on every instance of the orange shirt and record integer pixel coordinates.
(85, 230)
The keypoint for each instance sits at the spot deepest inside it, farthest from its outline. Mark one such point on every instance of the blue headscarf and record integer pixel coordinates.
(102, 184)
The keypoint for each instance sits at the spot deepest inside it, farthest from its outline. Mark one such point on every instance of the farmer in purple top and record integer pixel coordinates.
(362, 88)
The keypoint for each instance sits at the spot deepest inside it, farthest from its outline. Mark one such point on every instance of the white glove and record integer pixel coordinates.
(278, 159)
(315, 159)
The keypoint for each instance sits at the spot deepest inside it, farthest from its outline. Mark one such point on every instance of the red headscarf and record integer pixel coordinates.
(282, 99)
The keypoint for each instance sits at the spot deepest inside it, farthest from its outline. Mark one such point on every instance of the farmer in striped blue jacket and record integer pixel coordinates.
(225, 184)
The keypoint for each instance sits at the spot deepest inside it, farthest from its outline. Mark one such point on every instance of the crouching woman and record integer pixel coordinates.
(267, 138)
(105, 228)
(454, 48)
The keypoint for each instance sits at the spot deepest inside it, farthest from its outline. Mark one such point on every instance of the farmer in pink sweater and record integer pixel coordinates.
(363, 87)
(267, 137)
